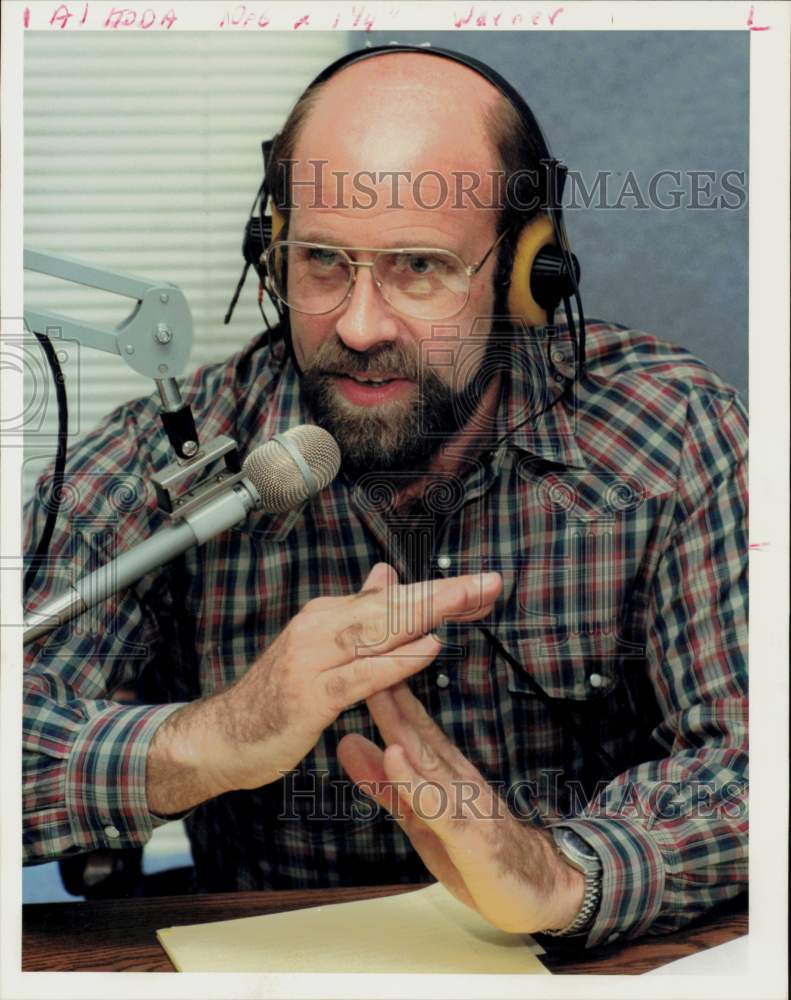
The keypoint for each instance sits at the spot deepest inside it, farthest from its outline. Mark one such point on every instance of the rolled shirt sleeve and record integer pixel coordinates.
(94, 796)
(672, 833)
(84, 755)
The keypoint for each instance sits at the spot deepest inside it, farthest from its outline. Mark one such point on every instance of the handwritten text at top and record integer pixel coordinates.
(483, 17)
(79, 15)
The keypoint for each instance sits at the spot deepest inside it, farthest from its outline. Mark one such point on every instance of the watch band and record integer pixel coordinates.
(576, 852)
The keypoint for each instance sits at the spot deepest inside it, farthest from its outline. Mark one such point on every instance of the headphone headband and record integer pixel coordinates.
(497, 81)
(545, 270)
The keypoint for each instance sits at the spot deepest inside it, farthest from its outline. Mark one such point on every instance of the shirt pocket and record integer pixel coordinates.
(596, 683)
(575, 668)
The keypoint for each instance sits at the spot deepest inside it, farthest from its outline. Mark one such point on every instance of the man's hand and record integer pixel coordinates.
(508, 871)
(335, 652)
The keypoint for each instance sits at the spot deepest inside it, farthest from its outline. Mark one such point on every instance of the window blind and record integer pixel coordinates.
(142, 154)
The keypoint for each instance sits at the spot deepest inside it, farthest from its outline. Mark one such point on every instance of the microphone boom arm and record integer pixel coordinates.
(154, 340)
(222, 511)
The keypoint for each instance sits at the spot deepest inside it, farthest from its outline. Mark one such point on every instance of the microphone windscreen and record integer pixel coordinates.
(278, 478)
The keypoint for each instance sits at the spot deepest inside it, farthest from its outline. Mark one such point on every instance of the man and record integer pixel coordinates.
(603, 532)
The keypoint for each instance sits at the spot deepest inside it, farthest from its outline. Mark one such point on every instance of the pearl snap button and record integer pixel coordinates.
(443, 680)
(596, 680)
(444, 562)
(112, 832)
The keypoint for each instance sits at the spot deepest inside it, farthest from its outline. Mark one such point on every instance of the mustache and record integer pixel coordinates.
(335, 358)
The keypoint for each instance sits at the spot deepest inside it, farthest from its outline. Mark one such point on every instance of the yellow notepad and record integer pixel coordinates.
(423, 931)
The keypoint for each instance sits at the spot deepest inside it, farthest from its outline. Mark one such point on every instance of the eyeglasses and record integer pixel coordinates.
(419, 282)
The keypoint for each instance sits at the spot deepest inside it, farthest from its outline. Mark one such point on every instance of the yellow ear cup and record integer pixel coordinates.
(521, 304)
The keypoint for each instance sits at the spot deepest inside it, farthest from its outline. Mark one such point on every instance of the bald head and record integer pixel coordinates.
(416, 111)
(403, 111)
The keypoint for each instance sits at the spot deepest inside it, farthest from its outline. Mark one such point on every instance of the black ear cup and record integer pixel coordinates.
(550, 281)
(257, 237)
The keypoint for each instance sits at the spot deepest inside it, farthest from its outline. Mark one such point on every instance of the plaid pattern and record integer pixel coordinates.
(619, 525)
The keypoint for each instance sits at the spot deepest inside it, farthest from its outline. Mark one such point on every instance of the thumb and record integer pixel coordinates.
(382, 575)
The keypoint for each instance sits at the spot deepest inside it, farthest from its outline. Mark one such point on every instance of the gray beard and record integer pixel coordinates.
(401, 437)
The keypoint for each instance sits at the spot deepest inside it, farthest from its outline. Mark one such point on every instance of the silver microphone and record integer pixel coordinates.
(277, 476)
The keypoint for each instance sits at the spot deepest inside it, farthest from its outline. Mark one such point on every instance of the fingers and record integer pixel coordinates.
(381, 618)
(438, 830)
(361, 759)
(386, 713)
(429, 749)
(381, 576)
(385, 615)
(443, 788)
(401, 718)
(363, 677)
(429, 604)
(424, 788)
(364, 764)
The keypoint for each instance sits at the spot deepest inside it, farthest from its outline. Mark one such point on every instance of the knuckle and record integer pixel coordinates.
(336, 688)
(294, 635)
(374, 633)
(349, 638)
(360, 635)
(362, 672)
(316, 605)
(429, 760)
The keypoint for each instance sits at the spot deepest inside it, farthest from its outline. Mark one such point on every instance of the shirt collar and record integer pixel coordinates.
(286, 407)
(550, 435)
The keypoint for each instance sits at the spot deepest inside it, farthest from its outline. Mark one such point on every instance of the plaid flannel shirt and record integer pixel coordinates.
(619, 527)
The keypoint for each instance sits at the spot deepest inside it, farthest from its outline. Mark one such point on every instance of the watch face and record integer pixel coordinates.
(574, 846)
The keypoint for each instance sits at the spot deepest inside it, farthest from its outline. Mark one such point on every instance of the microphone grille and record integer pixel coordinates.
(278, 478)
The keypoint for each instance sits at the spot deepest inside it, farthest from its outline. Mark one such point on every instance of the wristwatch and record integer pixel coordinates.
(576, 852)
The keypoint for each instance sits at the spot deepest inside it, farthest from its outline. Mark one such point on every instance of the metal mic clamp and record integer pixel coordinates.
(178, 494)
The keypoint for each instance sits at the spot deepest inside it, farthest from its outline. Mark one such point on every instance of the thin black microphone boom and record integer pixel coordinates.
(278, 476)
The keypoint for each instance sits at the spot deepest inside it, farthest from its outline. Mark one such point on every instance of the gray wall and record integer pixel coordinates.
(645, 102)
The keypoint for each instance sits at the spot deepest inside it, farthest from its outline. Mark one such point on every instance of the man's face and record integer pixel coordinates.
(423, 370)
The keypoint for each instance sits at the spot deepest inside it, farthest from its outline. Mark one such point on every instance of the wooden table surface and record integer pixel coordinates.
(119, 935)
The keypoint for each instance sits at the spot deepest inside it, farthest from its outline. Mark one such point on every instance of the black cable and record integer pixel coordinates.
(577, 331)
(264, 316)
(562, 396)
(246, 268)
(560, 710)
(236, 294)
(56, 494)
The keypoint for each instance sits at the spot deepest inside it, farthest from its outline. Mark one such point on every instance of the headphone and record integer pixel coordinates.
(544, 271)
